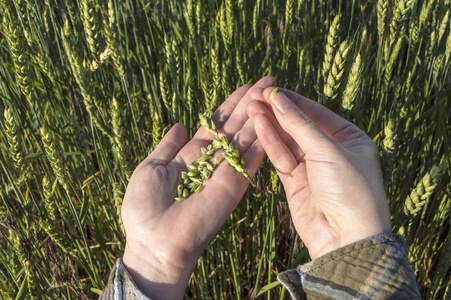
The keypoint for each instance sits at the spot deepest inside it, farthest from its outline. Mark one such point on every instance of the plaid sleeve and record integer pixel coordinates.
(121, 286)
(374, 268)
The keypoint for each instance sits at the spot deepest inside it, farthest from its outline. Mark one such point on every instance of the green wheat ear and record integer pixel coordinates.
(273, 93)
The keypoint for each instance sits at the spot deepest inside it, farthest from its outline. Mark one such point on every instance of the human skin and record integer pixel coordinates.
(330, 170)
(165, 238)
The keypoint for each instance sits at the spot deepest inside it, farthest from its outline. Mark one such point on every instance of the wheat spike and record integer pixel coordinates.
(92, 30)
(448, 44)
(216, 78)
(59, 239)
(164, 91)
(391, 62)
(419, 195)
(15, 149)
(55, 158)
(49, 203)
(288, 23)
(426, 11)
(230, 18)
(333, 80)
(382, 17)
(22, 10)
(331, 46)
(189, 18)
(224, 26)
(443, 25)
(390, 144)
(120, 143)
(112, 40)
(157, 128)
(118, 196)
(95, 64)
(231, 154)
(274, 181)
(18, 248)
(401, 14)
(33, 287)
(239, 66)
(82, 76)
(352, 87)
(19, 52)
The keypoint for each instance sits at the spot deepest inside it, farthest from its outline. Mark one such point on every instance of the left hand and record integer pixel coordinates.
(165, 238)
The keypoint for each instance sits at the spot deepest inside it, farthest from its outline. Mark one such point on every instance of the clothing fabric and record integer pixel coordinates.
(374, 268)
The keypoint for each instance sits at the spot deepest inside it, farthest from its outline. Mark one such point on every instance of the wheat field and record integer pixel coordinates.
(89, 87)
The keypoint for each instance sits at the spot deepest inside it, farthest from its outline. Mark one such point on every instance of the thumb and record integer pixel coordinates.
(307, 134)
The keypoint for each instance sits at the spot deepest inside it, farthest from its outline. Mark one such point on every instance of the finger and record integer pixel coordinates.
(169, 146)
(202, 138)
(239, 115)
(277, 151)
(296, 123)
(225, 109)
(328, 121)
(257, 107)
(227, 183)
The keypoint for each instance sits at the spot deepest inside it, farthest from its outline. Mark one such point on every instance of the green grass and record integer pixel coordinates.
(171, 60)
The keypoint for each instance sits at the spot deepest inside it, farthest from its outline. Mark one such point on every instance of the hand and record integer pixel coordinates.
(165, 238)
(329, 168)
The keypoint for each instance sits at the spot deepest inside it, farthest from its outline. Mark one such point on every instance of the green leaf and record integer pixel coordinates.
(23, 290)
(268, 287)
(97, 291)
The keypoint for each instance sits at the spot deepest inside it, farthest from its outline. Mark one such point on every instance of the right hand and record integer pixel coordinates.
(330, 170)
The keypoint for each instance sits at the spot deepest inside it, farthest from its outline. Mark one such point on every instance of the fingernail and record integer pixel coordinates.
(282, 102)
(274, 91)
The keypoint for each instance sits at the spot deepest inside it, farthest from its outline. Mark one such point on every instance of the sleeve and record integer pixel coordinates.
(374, 268)
(121, 286)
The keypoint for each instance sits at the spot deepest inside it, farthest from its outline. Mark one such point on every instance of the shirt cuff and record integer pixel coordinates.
(374, 268)
(121, 285)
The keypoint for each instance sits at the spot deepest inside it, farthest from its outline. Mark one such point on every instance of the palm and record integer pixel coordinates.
(177, 232)
(323, 174)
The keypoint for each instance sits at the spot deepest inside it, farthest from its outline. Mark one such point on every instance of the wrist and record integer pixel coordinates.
(158, 277)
